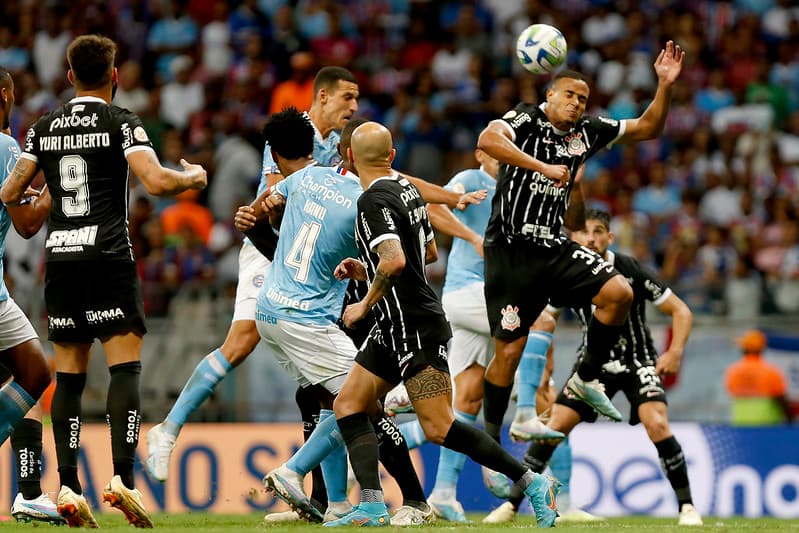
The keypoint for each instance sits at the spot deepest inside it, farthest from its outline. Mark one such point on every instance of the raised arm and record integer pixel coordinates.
(446, 222)
(161, 181)
(651, 122)
(435, 194)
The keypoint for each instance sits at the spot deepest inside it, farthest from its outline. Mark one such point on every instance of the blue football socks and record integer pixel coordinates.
(207, 374)
(531, 367)
(14, 403)
(334, 466)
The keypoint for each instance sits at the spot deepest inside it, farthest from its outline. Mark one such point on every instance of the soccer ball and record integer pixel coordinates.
(541, 48)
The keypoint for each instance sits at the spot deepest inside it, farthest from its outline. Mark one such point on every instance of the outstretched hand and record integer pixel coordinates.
(350, 268)
(245, 218)
(669, 63)
(471, 198)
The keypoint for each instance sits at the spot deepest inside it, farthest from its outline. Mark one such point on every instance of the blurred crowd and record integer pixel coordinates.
(711, 205)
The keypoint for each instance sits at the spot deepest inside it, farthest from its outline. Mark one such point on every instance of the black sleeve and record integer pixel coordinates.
(521, 120)
(606, 130)
(647, 283)
(378, 217)
(263, 237)
(132, 133)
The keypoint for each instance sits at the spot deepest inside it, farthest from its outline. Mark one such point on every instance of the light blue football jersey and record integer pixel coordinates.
(9, 153)
(325, 151)
(316, 234)
(464, 265)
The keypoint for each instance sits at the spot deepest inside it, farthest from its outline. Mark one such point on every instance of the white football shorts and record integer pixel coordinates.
(471, 337)
(15, 328)
(311, 354)
(252, 269)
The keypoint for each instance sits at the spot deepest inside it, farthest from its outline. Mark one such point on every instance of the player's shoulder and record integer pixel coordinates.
(599, 121)
(465, 177)
(626, 264)
(523, 112)
(7, 142)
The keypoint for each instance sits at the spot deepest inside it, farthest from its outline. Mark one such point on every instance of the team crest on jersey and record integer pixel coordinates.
(459, 188)
(510, 318)
(140, 135)
(575, 144)
(258, 281)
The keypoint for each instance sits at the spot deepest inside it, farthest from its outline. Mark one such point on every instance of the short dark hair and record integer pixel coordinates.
(328, 77)
(349, 127)
(601, 216)
(91, 58)
(571, 74)
(289, 133)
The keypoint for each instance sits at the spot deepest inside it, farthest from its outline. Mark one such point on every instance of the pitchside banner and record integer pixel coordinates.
(215, 468)
(218, 468)
(616, 471)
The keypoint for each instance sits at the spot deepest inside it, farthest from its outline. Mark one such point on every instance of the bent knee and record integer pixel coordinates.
(435, 432)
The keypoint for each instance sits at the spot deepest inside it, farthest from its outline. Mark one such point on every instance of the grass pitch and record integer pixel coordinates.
(202, 523)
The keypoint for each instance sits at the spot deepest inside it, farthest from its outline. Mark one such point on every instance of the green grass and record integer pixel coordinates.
(202, 523)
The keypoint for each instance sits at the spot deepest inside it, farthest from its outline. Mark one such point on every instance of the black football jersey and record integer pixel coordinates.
(410, 315)
(81, 148)
(635, 345)
(527, 205)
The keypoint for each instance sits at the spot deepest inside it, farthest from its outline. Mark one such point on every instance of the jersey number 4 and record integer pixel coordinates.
(302, 249)
(72, 169)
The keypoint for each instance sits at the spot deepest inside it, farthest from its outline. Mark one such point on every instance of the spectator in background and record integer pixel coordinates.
(247, 18)
(757, 388)
(187, 213)
(217, 55)
(181, 97)
(714, 96)
(717, 258)
(173, 33)
(786, 285)
(50, 46)
(742, 293)
(286, 41)
(297, 91)
(659, 201)
(238, 167)
(13, 57)
(130, 94)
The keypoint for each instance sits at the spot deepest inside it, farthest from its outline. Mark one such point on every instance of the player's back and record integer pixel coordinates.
(317, 233)
(464, 264)
(81, 149)
(409, 315)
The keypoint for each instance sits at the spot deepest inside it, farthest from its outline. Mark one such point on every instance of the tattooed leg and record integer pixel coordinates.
(430, 392)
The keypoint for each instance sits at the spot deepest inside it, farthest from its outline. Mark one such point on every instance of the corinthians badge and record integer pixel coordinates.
(575, 144)
(510, 318)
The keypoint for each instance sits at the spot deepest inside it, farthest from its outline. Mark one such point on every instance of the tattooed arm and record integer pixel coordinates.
(16, 184)
(29, 215)
(392, 262)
